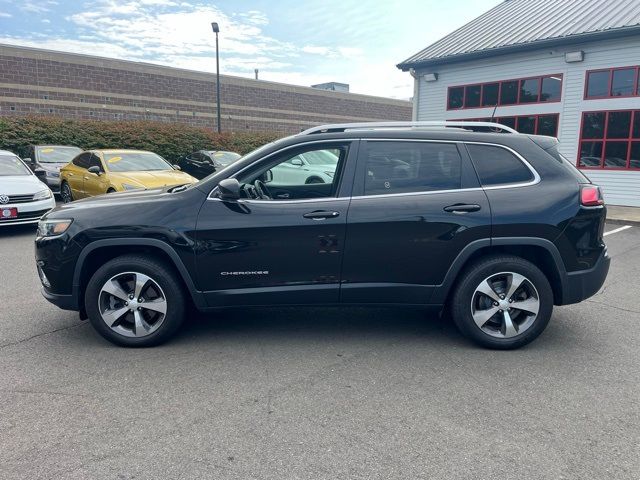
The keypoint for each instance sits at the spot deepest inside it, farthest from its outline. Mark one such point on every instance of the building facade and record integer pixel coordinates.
(43, 82)
(549, 67)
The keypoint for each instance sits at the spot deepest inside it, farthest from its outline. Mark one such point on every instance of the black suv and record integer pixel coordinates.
(498, 227)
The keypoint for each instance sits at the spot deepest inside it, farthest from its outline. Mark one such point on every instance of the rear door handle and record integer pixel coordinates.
(462, 208)
(321, 215)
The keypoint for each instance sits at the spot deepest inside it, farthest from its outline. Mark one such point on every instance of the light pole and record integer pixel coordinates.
(216, 30)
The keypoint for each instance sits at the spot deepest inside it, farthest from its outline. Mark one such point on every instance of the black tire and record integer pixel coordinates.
(313, 180)
(111, 190)
(65, 193)
(162, 276)
(494, 267)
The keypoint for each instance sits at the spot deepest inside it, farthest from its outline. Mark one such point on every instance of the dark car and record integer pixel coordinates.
(499, 227)
(205, 162)
(47, 160)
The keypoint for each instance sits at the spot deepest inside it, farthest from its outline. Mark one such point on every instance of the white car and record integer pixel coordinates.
(23, 197)
(306, 168)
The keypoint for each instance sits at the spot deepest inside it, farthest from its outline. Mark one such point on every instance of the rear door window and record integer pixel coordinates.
(498, 166)
(401, 167)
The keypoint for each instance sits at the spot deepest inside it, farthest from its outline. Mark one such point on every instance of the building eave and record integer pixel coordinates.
(523, 47)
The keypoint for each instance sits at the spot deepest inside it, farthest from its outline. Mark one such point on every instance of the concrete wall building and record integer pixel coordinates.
(34, 81)
(566, 68)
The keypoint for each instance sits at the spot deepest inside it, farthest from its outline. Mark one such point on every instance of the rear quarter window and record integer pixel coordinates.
(498, 166)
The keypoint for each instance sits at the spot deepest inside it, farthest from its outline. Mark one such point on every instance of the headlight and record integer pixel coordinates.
(53, 174)
(43, 195)
(52, 228)
(128, 186)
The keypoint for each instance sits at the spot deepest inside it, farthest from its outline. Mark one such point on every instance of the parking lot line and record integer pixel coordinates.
(626, 227)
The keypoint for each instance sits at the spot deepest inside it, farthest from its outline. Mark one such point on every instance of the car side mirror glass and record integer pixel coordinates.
(177, 167)
(297, 162)
(94, 169)
(267, 176)
(229, 189)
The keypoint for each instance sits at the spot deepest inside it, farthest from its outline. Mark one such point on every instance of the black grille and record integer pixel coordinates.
(20, 198)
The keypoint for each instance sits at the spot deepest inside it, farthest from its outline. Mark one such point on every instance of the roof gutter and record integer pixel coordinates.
(523, 47)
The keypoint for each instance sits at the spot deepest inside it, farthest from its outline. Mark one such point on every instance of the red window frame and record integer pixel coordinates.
(604, 140)
(516, 118)
(518, 101)
(610, 84)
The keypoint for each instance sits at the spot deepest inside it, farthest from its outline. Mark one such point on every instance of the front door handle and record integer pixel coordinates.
(321, 215)
(86, 178)
(462, 208)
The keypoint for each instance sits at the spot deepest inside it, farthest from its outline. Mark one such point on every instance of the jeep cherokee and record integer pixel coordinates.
(495, 225)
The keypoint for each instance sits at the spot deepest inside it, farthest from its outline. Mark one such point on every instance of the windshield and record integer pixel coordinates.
(225, 158)
(56, 154)
(321, 157)
(12, 165)
(135, 161)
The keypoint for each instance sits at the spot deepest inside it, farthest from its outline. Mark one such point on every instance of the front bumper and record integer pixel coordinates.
(29, 212)
(578, 286)
(65, 302)
(53, 183)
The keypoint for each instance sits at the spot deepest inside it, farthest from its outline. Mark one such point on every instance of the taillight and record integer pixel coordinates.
(591, 196)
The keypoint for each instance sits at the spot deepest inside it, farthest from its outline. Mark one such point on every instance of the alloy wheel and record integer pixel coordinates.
(65, 193)
(505, 305)
(132, 304)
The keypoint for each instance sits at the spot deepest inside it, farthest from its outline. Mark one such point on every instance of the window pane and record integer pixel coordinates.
(509, 93)
(498, 166)
(508, 121)
(551, 89)
(618, 124)
(590, 154)
(636, 124)
(593, 125)
(548, 125)
(398, 167)
(472, 98)
(598, 84)
(529, 90)
(526, 125)
(456, 97)
(615, 154)
(622, 82)
(490, 95)
(635, 155)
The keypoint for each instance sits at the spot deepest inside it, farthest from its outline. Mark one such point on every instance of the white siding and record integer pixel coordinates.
(621, 187)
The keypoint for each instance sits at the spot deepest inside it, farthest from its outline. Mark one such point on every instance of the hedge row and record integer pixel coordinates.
(167, 139)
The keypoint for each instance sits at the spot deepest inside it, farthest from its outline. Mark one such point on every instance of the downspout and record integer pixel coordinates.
(416, 94)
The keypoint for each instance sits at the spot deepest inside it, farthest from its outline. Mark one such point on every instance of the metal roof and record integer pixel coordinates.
(517, 25)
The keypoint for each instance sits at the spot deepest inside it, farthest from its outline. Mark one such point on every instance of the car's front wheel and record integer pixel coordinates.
(135, 301)
(502, 302)
(65, 193)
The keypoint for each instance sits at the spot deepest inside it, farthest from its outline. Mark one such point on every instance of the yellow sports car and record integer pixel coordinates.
(96, 172)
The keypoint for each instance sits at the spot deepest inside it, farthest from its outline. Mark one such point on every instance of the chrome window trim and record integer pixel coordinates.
(536, 176)
(209, 197)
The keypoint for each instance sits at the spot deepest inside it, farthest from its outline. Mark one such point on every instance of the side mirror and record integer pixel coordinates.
(229, 189)
(41, 174)
(95, 170)
(297, 162)
(177, 167)
(27, 160)
(267, 176)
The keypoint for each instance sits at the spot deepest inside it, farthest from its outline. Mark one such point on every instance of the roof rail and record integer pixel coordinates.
(343, 127)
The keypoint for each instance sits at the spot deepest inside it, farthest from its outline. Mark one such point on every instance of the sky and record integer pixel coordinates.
(358, 42)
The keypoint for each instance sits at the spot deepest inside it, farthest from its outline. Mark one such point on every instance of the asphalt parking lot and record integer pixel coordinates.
(320, 393)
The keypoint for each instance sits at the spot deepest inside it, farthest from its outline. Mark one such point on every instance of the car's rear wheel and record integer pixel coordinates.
(502, 302)
(65, 193)
(313, 180)
(135, 301)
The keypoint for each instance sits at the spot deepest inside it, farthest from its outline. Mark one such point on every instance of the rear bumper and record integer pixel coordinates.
(579, 286)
